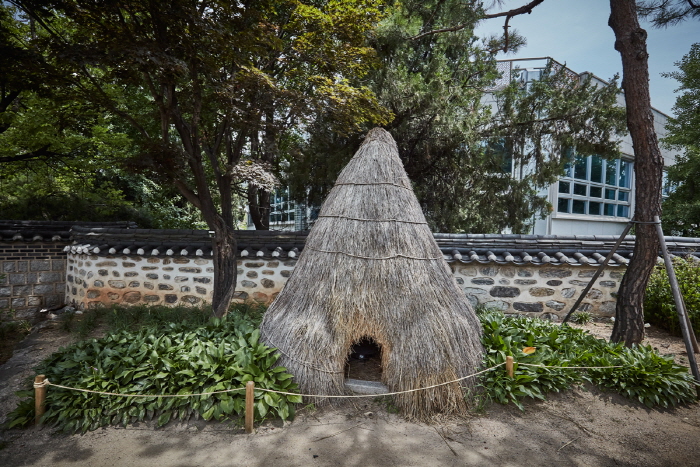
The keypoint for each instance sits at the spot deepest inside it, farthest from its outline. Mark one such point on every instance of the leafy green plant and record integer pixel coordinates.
(178, 358)
(659, 306)
(582, 317)
(10, 326)
(644, 375)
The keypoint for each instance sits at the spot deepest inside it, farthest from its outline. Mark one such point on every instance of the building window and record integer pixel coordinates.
(282, 209)
(596, 187)
(667, 186)
(501, 152)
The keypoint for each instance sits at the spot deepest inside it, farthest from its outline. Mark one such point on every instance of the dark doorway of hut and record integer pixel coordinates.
(365, 361)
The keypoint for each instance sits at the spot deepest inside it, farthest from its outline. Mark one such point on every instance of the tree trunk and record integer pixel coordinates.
(630, 41)
(259, 205)
(225, 271)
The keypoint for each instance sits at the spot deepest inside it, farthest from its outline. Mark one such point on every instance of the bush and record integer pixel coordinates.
(582, 317)
(645, 376)
(177, 358)
(659, 306)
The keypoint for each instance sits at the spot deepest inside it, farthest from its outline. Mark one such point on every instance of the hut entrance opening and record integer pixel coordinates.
(365, 360)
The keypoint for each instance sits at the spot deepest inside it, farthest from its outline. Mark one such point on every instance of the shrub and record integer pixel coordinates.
(177, 358)
(659, 306)
(582, 317)
(651, 379)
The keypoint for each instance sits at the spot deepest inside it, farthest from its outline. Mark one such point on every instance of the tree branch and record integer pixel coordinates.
(187, 193)
(39, 153)
(508, 14)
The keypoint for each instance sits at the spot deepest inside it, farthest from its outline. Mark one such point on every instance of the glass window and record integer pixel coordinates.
(611, 172)
(579, 206)
(502, 154)
(624, 179)
(581, 168)
(589, 180)
(563, 205)
(596, 169)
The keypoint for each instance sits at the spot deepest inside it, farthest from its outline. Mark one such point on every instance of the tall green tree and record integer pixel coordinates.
(682, 207)
(630, 41)
(59, 157)
(202, 87)
(460, 136)
(668, 12)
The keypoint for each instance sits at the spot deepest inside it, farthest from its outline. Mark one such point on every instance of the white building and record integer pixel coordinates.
(596, 196)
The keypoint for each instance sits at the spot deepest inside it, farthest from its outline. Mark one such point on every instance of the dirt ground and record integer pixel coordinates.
(582, 427)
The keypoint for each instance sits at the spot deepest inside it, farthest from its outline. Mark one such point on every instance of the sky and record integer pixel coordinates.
(576, 32)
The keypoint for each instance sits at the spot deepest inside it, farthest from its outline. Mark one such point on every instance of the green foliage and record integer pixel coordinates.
(682, 207)
(659, 305)
(582, 317)
(651, 379)
(10, 325)
(177, 358)
(461, 140)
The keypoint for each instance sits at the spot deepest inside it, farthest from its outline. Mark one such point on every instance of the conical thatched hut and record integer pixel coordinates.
(371, 269)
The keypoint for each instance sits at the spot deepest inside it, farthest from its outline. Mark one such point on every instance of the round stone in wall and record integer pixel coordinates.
(132, 297)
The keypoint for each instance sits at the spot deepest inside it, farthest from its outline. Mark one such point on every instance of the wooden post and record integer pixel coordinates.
(509, 367)
(249, 406)
(39, 398)
(688, 334)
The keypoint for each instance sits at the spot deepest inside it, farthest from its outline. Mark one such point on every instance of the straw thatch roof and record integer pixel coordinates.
(371, 268)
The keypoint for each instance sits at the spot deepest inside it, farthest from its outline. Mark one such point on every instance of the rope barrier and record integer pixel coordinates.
(386, 393)
(46, 382)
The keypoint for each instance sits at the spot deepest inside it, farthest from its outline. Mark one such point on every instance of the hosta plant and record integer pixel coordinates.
(176, 359)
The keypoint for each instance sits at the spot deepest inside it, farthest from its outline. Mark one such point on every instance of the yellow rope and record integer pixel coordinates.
(47, 383)
(386, 393)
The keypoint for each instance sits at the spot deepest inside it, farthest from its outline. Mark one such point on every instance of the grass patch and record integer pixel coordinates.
(162, 352)
(12, 331)
(645, 376)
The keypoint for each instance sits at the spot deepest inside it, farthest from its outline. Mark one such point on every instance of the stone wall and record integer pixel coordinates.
(32, 277)
(94, 280)
(546, 291)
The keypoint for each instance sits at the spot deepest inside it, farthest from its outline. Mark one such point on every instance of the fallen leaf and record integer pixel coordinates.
(529, 350)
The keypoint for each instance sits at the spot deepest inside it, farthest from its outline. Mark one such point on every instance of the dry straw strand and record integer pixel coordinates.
(358, 277)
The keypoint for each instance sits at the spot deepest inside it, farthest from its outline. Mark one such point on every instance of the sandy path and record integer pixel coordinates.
(582, 427)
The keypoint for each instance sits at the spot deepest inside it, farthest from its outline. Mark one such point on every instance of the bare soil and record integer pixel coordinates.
(581, 427)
